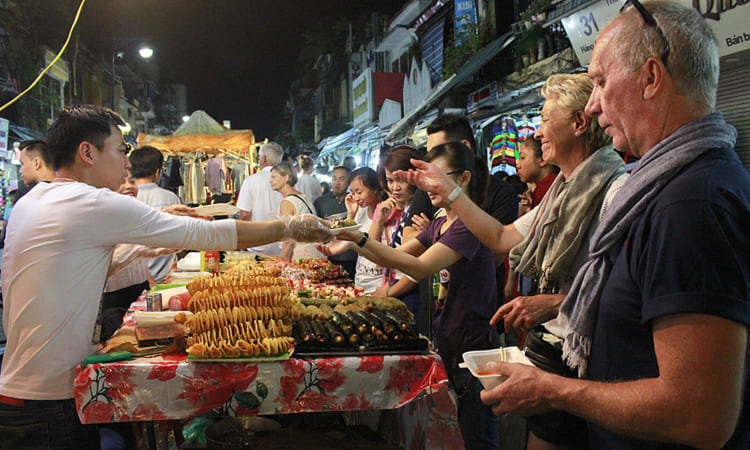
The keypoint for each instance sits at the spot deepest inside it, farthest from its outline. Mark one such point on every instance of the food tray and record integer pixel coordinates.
(415, 346)
(194, 359)
(336, 231)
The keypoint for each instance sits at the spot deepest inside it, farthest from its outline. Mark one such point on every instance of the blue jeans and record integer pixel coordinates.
(479, 427)
(49, 424)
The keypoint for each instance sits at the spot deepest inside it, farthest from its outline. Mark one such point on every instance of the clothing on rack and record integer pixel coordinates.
(217, 174)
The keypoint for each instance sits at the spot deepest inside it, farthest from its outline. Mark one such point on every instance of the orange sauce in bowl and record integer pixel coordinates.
(482, 373)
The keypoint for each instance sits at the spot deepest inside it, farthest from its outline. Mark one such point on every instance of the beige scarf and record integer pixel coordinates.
(547, 254)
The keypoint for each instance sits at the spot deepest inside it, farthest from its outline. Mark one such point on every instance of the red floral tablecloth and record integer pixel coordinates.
(170, 387)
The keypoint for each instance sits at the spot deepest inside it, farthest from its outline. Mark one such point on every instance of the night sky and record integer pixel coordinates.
(236, 57)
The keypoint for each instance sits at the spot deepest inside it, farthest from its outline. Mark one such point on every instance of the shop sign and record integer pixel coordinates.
(484, 94)
(730, 29)
(584, 27)
(4, 129)
(465, 16)
(363, 103)
(60, 70)
(429, 12)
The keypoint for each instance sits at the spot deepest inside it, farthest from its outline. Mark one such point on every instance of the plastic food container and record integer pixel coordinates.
(476, 362)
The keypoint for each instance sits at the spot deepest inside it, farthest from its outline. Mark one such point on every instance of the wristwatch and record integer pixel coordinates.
(364, 239)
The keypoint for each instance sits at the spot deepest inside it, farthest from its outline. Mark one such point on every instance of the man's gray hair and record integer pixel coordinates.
(693, 59)
(272, 151)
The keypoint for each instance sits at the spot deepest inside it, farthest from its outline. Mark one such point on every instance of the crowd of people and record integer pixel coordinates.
(636, 298)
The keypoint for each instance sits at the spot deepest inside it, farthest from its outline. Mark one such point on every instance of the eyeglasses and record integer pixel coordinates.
(649, 19)
(456, 172)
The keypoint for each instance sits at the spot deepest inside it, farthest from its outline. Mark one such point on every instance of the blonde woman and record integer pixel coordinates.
(283, 179)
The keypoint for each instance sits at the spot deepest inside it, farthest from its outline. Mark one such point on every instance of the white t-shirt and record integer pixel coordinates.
(158, 198)
(368, 274)
(308, 185)
(257, 197)
(59, 245)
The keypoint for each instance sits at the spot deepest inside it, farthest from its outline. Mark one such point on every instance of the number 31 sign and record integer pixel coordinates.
(584, 26)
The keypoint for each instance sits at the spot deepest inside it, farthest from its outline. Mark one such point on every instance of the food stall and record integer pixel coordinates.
(198, 140)
(271, 365)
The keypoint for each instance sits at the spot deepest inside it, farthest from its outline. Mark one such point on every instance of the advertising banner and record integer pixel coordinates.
(363, 104)
(729, 19)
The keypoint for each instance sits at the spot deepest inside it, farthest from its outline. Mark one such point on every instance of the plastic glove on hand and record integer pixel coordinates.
(306, 228)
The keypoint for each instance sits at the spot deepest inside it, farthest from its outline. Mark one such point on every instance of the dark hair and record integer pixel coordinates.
(348, 170)
(535, 144)
(397, 158)
(39, 148)
(325, 187)
(460, 157)
(79, 123)
(369, 178)
(456, 128)
(349, 160)
(517, 184)
(145, 161)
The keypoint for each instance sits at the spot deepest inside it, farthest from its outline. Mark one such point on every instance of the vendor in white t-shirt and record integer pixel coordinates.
(59, 247)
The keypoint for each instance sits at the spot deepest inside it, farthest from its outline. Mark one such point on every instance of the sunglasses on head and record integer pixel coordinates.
(649, 19)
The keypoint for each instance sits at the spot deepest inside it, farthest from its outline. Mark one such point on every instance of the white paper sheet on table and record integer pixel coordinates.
(217, 209)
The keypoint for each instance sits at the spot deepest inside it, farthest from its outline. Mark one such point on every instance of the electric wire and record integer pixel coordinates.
(54, 61)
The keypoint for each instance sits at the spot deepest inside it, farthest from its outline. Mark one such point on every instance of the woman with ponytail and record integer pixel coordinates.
(467, 269)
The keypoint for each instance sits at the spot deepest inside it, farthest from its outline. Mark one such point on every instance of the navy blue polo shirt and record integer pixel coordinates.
(688, 253)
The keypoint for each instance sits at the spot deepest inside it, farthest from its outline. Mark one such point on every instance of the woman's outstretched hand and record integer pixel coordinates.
(427, 177)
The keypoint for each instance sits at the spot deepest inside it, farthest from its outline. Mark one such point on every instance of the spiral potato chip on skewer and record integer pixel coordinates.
(245, 312)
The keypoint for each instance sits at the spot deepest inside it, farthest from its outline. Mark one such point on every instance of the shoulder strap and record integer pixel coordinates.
(304, 202)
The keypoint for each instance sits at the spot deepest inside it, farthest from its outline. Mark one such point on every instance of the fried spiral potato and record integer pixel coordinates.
(218, 318)
(242, 348)
(245, 312)
(247, 331)
(227, 298)
(247, 277)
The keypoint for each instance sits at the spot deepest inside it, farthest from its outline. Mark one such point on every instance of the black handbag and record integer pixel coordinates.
(546, 353)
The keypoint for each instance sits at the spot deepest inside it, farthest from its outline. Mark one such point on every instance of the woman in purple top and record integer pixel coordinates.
(461, 321)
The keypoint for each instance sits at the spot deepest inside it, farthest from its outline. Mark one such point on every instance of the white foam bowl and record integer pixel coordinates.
(477, 361)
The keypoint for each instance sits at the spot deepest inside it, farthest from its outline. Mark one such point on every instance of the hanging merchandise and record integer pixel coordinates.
(526, 128)
(511, 149)
(504, 146)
